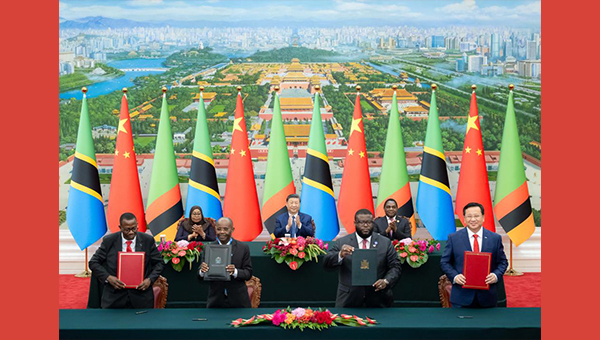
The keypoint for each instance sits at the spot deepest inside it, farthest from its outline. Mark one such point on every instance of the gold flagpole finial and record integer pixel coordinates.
(124, 90)
(276, 88)
(239, 88)
(474, 87)
(511, 86)
(201, 88)
(318, 88)
(434, 87)
(358, 88)
(164, 89)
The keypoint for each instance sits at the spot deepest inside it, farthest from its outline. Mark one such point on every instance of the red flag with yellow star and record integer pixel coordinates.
(473, 184)
(241, 201)
(355, 191)
(125, 194)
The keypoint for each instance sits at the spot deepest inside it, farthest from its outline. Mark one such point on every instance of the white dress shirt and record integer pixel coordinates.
(360, 241)
(124, 243)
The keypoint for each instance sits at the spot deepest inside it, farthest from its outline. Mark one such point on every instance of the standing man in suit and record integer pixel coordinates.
(293, 222)
(104, 264)
(388, 266)
(391, 225)
(234, 294)
(473, 238)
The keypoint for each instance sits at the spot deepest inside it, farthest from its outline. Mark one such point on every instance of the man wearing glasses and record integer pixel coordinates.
(104, 265)
(388, 266)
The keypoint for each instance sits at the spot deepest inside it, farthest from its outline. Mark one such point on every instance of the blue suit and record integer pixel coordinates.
(282, 221)
(451, 264)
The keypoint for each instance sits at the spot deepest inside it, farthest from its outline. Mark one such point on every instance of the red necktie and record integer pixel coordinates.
(129, 250)
(476, 244)
(364, 244)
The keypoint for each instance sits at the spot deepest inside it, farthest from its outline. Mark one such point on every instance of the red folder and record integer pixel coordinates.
(476, 268)
(131, 268)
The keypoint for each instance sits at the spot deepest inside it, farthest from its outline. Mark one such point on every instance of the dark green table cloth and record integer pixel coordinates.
(309, 285)
(394, 323)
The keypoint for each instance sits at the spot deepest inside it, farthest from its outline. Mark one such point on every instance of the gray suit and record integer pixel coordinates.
(388, 267)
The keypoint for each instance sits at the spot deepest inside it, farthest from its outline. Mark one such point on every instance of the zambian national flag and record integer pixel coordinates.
(278, 178)
(394, 176)
(317, 199)
(434, 200)
(164, 207)
(512, 204)
(85, 210)
(203, 189)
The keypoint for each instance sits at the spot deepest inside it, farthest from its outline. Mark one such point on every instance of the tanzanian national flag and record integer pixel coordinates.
(203, 189)
(317, 197)
(434, 200)
(278, 178)
(164, 209)
(394, 176)
(85, 210)
(512, 203)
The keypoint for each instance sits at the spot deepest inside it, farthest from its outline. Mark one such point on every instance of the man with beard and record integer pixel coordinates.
(388, 266)
(233, 294)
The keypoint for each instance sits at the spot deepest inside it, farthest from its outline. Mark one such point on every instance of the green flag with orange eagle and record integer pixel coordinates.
(278, 177)
(512, 205)
(394, 176)
(164, 209)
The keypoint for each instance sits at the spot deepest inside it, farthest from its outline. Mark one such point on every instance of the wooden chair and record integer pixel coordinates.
(445, 288)
(254, 290)
(161, 290)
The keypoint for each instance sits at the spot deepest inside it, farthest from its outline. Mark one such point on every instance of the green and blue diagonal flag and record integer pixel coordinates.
(317, 189)
(434, 200)
(85, 210)
(203, 188)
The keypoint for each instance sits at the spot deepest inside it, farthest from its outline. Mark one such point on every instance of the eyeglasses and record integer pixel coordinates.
(363, 222)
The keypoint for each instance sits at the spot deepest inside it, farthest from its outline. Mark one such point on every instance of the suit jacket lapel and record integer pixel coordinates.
(119, 242)
(353, 241)
(466, 241)
(486, 241)
(138, 242)
(374, 241)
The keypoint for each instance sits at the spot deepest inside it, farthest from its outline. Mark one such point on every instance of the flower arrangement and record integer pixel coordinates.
(415, 251)
(295, 251)
(179, 252)
(316, 319)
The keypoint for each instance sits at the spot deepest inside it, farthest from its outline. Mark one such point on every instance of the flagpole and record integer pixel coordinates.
(511, 271)
(86, 272)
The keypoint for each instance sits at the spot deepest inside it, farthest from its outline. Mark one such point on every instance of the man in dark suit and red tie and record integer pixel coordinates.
(293, 222)
(388, 266)
(104, 265)
(473, 238)
(391, 225)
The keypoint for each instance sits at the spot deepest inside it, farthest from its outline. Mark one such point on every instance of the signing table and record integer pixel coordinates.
(394, 323)
(309, 285)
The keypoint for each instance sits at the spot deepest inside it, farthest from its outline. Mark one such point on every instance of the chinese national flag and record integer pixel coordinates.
(473, 185)
(241, 201)
(125, 194)
(355, 191)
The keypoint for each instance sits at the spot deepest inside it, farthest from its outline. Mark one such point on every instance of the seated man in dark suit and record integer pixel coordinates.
(232, 293)
(391, 225)
(388, 266)
(104, 265)
(293, 222)
(473, 238)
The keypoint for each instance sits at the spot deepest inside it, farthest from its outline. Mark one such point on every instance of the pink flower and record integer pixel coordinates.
(293, 265)
(182, 253)
(299, 312)
(437, 246)
(160, 247)
(431, 249)
(182, 244)
(175, 251)
(320, 243)
(294, 251)
(404, 254)
(412, 249)
(326, 246)
(175, 260)
(407, 240)
(301, 254)
(414, 258)
(278, 317)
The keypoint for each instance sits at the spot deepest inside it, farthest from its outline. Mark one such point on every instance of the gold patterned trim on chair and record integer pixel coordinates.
(161, 298)
(256, 286)
(443, 285)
